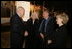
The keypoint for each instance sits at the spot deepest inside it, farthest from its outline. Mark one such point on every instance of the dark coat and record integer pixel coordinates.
(51, 26)
(33, 37)
(32, 28)
(59, 37)
(17, 31)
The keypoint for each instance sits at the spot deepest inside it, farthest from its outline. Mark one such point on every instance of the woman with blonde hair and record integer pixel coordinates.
(60, 34)
(32, 29)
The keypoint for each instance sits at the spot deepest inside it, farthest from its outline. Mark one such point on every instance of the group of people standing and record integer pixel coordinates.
(48, 32)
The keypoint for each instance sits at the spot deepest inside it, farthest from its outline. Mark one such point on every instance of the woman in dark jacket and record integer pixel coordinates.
(32, 29)
(58, 38)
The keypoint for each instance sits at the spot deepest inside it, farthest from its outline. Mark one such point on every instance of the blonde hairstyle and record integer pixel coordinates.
(63, 16)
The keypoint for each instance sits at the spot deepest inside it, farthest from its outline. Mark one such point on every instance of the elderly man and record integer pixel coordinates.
(17, 28)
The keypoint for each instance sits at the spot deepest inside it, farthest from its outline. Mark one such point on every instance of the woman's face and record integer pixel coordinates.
(34, 16)
(59, 20)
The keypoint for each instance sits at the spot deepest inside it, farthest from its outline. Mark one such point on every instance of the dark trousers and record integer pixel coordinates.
(33, 43)
(16, 41)
(45, 43)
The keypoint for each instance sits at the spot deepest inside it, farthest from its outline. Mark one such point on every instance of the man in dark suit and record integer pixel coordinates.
(46, 28)
(17, 29)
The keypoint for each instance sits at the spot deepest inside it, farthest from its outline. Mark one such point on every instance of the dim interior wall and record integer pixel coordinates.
(5, 20)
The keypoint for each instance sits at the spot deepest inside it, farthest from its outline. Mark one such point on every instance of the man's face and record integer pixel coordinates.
(21, 12)
(45, 14)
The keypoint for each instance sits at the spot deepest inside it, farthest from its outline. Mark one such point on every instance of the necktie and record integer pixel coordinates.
(42, 26)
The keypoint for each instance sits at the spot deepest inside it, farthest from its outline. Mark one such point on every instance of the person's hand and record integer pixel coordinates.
(26, 33)
(49, 42)
(42, 35)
